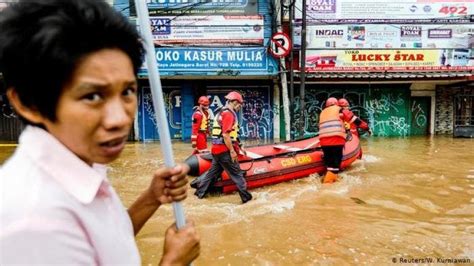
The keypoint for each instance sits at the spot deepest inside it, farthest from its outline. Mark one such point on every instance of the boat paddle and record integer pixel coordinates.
(157, 98)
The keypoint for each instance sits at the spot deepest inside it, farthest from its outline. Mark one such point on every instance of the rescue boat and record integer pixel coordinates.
(274, 163)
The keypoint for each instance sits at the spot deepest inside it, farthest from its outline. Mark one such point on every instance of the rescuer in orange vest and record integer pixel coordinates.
(200, 129)
(351, 121)
(225, 149)
(332, 137)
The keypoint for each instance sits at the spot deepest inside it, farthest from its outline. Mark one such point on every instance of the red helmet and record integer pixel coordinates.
(234, 96)
(331, 101)
(343, 102)
(203, 100)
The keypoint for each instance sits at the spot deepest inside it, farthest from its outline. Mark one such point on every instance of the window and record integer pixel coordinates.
(464, 110)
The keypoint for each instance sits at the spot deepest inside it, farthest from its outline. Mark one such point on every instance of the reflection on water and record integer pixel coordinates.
(407, 198)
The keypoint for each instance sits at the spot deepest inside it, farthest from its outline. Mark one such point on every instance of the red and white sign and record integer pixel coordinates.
(280, 45)
(384, 9)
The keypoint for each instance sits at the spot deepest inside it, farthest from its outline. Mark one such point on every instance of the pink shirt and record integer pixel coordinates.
(56, 209)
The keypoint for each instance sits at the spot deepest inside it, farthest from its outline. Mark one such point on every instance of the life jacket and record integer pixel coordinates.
(351, 119)
(330, 124)
(217, 127)
(204, 121)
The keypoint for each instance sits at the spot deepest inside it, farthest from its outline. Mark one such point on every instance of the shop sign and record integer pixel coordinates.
(384, 9)
(398, 60)
(199, 7)
(242, 60)
(197, 30)
(393, 36)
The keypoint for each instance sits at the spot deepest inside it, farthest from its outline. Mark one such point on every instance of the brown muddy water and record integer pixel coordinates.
(409, 200)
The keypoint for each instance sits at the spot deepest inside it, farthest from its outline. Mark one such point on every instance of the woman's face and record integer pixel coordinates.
(96, 109)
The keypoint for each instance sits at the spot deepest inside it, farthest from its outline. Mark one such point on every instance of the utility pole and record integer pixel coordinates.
(284, 81)
(302, 68)
(292, 76)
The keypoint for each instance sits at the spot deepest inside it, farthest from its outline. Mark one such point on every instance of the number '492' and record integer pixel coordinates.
(462, 10)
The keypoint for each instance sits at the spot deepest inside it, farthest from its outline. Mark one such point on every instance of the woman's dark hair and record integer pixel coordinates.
(43, 41)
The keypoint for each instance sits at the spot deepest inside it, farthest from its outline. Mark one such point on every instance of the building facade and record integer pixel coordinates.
(209, 48)
(405, 67)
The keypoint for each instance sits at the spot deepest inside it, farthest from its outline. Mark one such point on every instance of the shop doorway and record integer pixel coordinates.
(420, 115)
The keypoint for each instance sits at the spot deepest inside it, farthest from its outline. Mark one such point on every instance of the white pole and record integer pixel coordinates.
(157, 97)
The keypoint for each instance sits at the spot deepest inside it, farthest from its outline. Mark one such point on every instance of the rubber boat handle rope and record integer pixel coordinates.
(312, 144)
(294, 149)
(253, 155)
(157, 97)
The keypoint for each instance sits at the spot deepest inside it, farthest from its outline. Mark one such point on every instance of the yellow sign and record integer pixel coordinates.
(400, 60)
(363, 58)
(304, 159)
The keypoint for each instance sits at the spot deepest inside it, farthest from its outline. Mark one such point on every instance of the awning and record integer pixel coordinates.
(388, 76)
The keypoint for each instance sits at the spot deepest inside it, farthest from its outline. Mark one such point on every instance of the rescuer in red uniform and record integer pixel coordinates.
(351, 121)
(225, 149)
(200, 130)
(332, 137)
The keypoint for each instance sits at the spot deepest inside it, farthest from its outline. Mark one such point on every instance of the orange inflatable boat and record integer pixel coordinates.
(274, 163)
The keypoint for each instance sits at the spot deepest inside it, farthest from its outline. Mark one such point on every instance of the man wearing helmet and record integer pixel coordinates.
(225, 148)
(351, 121)
(200, 128)
(332, 137)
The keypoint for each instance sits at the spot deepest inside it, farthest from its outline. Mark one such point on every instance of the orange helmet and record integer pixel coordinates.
(203, 100)
(234, 96)
(343, 102)
(331, 101)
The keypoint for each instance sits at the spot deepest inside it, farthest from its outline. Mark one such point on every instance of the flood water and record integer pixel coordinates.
(408, 198)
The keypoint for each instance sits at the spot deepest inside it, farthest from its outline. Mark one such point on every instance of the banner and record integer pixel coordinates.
(208, 30)
(249, 61)
(384, 9)
(199, 7)
(398, 60)
(388, 36)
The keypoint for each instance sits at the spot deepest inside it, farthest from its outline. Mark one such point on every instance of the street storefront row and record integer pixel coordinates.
(391, 109)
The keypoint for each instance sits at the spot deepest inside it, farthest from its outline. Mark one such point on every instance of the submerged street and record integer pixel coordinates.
(409, 198)
(87, 81)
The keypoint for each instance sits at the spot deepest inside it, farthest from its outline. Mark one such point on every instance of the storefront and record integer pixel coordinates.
(255, 118)
(401, 106)
(455, 109)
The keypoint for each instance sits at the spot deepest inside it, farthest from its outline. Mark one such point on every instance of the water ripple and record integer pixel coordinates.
(391, 205)
(427, 205)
